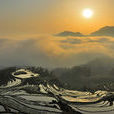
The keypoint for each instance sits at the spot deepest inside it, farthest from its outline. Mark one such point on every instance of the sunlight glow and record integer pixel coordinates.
(87, 13)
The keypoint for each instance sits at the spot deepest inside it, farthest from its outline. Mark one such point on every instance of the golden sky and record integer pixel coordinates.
(53, 16)
(27, 28)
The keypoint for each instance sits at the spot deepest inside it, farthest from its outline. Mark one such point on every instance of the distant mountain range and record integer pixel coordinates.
(105, 31)
(69, 33)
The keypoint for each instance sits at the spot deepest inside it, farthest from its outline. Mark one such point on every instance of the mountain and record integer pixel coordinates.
(105, 31)
(103, 65)
(69, 33)
(94, 74)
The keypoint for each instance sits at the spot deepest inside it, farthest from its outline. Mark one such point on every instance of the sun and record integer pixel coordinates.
(87, 13)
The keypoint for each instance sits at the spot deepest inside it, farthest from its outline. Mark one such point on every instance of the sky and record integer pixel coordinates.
(52, 16)
(27, 28)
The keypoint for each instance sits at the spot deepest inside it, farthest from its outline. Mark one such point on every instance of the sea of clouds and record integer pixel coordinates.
(52, 51)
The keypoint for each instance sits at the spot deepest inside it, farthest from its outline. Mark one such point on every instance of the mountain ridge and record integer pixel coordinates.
(104, 31)
(69, 33)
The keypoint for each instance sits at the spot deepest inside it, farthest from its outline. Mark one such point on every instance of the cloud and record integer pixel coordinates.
(101, 40)
(50, 51)
(72, 41)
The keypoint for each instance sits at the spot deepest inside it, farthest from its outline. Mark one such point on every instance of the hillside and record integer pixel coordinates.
(105, 31)
(44, 76)
(98, 72)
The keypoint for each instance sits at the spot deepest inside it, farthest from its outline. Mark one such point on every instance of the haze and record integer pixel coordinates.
(27, 29)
